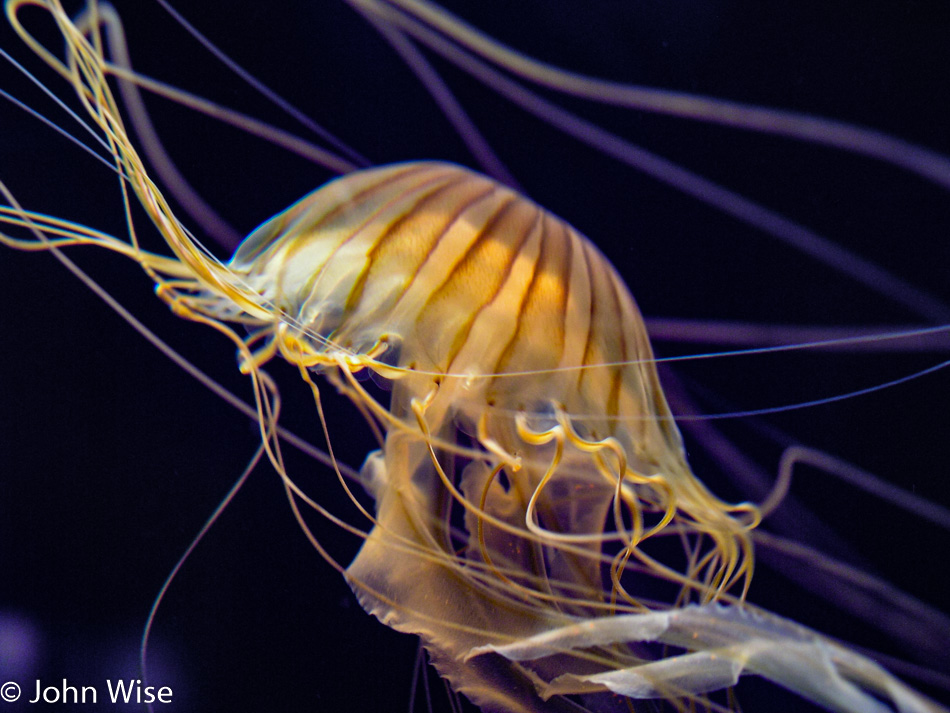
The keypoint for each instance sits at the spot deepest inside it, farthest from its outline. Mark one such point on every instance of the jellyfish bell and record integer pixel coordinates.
(683, 286)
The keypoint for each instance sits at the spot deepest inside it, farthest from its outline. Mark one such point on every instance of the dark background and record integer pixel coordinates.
(111, 458)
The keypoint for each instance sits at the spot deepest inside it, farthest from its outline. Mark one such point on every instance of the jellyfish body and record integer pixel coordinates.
(493, 422)
(515, 353)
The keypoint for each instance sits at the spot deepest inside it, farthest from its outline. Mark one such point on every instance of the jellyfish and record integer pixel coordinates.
(786, 294)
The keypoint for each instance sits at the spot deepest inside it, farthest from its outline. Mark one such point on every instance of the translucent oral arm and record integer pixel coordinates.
(723, 642)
